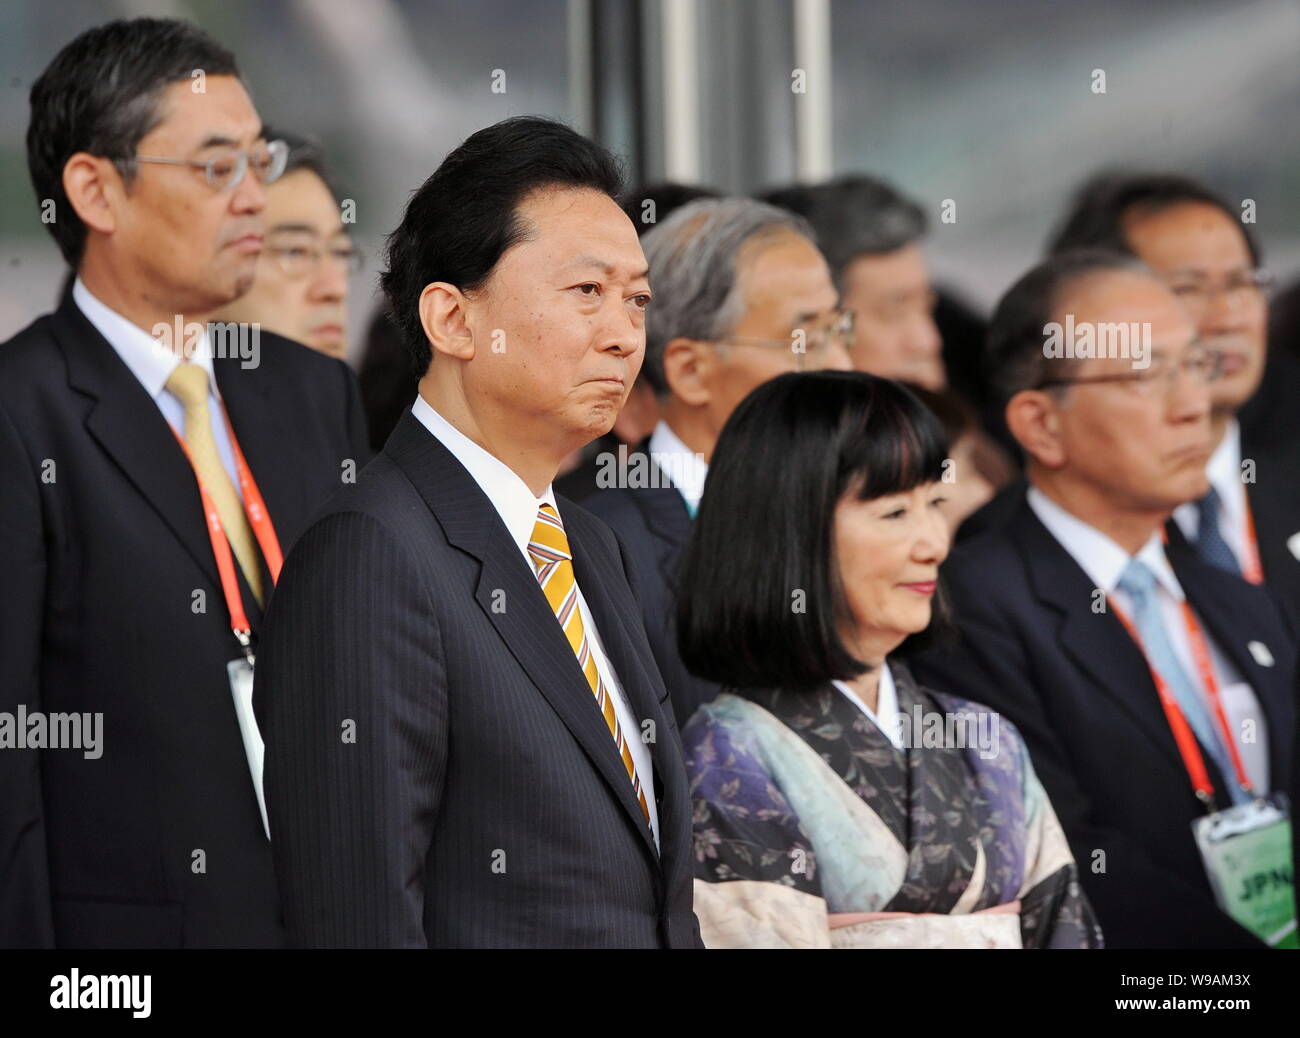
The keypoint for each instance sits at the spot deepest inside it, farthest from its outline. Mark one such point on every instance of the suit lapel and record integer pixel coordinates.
(1097, 643)
(132, 431)
(509, 595)
(1213, 596)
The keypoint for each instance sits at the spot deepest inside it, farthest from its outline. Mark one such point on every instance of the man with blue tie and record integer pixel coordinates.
(1149, 687)
(743, 295)
(1248, 521)
(468, 743)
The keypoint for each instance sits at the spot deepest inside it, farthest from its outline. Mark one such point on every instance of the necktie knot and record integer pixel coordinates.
(1137, 581)
(189, 384)
(549, 543)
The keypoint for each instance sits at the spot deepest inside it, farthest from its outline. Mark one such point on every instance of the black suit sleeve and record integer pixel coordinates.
(351, 698)
(990, 666)
(26, 917)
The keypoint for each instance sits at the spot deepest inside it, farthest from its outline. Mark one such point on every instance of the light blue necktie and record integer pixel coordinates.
(1139, 583)
(1210, 544)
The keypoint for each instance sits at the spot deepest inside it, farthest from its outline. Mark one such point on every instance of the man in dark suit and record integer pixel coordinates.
(743, 295)
(468, 743)
(1249, 520)
(1070, 607)
(114, 608)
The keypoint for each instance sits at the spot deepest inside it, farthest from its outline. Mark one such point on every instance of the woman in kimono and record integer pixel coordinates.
(837, 802)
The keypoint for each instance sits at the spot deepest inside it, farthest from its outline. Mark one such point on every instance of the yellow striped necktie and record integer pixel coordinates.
(549, 550)
(189, 384)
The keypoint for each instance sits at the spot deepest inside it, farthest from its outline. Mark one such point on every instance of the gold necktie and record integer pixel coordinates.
(549, 550)
(189, 384)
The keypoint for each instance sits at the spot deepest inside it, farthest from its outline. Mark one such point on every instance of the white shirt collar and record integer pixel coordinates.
(1097, 555)
(885, 716)
(508, 493)
(150, 361)
(683, 466)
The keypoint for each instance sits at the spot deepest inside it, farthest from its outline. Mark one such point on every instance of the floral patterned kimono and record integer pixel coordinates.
(812, 830)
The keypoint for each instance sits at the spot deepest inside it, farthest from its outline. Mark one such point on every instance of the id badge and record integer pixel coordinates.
(1247, 854)
(240, 672)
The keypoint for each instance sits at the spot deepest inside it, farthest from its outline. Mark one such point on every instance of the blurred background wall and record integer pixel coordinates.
(991, 104)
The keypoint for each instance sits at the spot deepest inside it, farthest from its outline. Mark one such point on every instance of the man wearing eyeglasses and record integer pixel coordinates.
(153, 480)
(1078, 627)
(1248, 521)
(742, 295)
(301, 287)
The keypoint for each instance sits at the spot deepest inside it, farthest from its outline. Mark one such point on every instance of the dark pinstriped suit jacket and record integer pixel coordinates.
(437, 770)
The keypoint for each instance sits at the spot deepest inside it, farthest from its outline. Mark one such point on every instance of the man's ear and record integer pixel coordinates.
(688, 370)
(94, 189)
(443, 318)
(1034, 418)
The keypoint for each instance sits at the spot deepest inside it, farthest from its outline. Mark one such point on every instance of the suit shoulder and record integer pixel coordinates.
(282, 355)
(582, 519)
(26, 356)
(382, 492)
(613, 505)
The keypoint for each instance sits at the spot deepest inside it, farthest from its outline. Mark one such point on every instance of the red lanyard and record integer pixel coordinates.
(1252, 569)
(1183, 736)
(258, 518)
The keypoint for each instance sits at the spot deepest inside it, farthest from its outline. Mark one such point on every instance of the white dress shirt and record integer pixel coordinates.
(518, 508)
(152, 363)
(682, 465)
(885, 716)
(1104, 562)
(1224, 473)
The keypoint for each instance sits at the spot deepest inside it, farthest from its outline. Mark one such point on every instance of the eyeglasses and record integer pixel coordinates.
(297, 261)
(801, 342)
(226, 168)
(1246, 287)
(1200, 367)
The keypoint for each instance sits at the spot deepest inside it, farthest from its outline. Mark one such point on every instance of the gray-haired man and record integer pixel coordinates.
(741, 295)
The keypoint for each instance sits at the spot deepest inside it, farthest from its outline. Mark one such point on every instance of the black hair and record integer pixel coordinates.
(792, 450)
(666, 196)
(304, 153)
(853, 215)
(101, 95)
(461, 220)
(1014, 355)
(1096, 216)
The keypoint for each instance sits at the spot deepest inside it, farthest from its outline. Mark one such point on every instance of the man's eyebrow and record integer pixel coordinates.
(604, 266)
(217, 140)
(300, 228)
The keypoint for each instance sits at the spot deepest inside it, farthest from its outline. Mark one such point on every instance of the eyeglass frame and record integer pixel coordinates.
(1258, 279)
(278, 149)
(1141, 377)
(843, 323)
(353, 266)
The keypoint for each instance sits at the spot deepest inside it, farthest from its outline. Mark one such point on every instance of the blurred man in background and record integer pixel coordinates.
(1248, 521)
(301, 287)
(742, 295)
(871, 237)
(152, 478)
(1076, 625)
